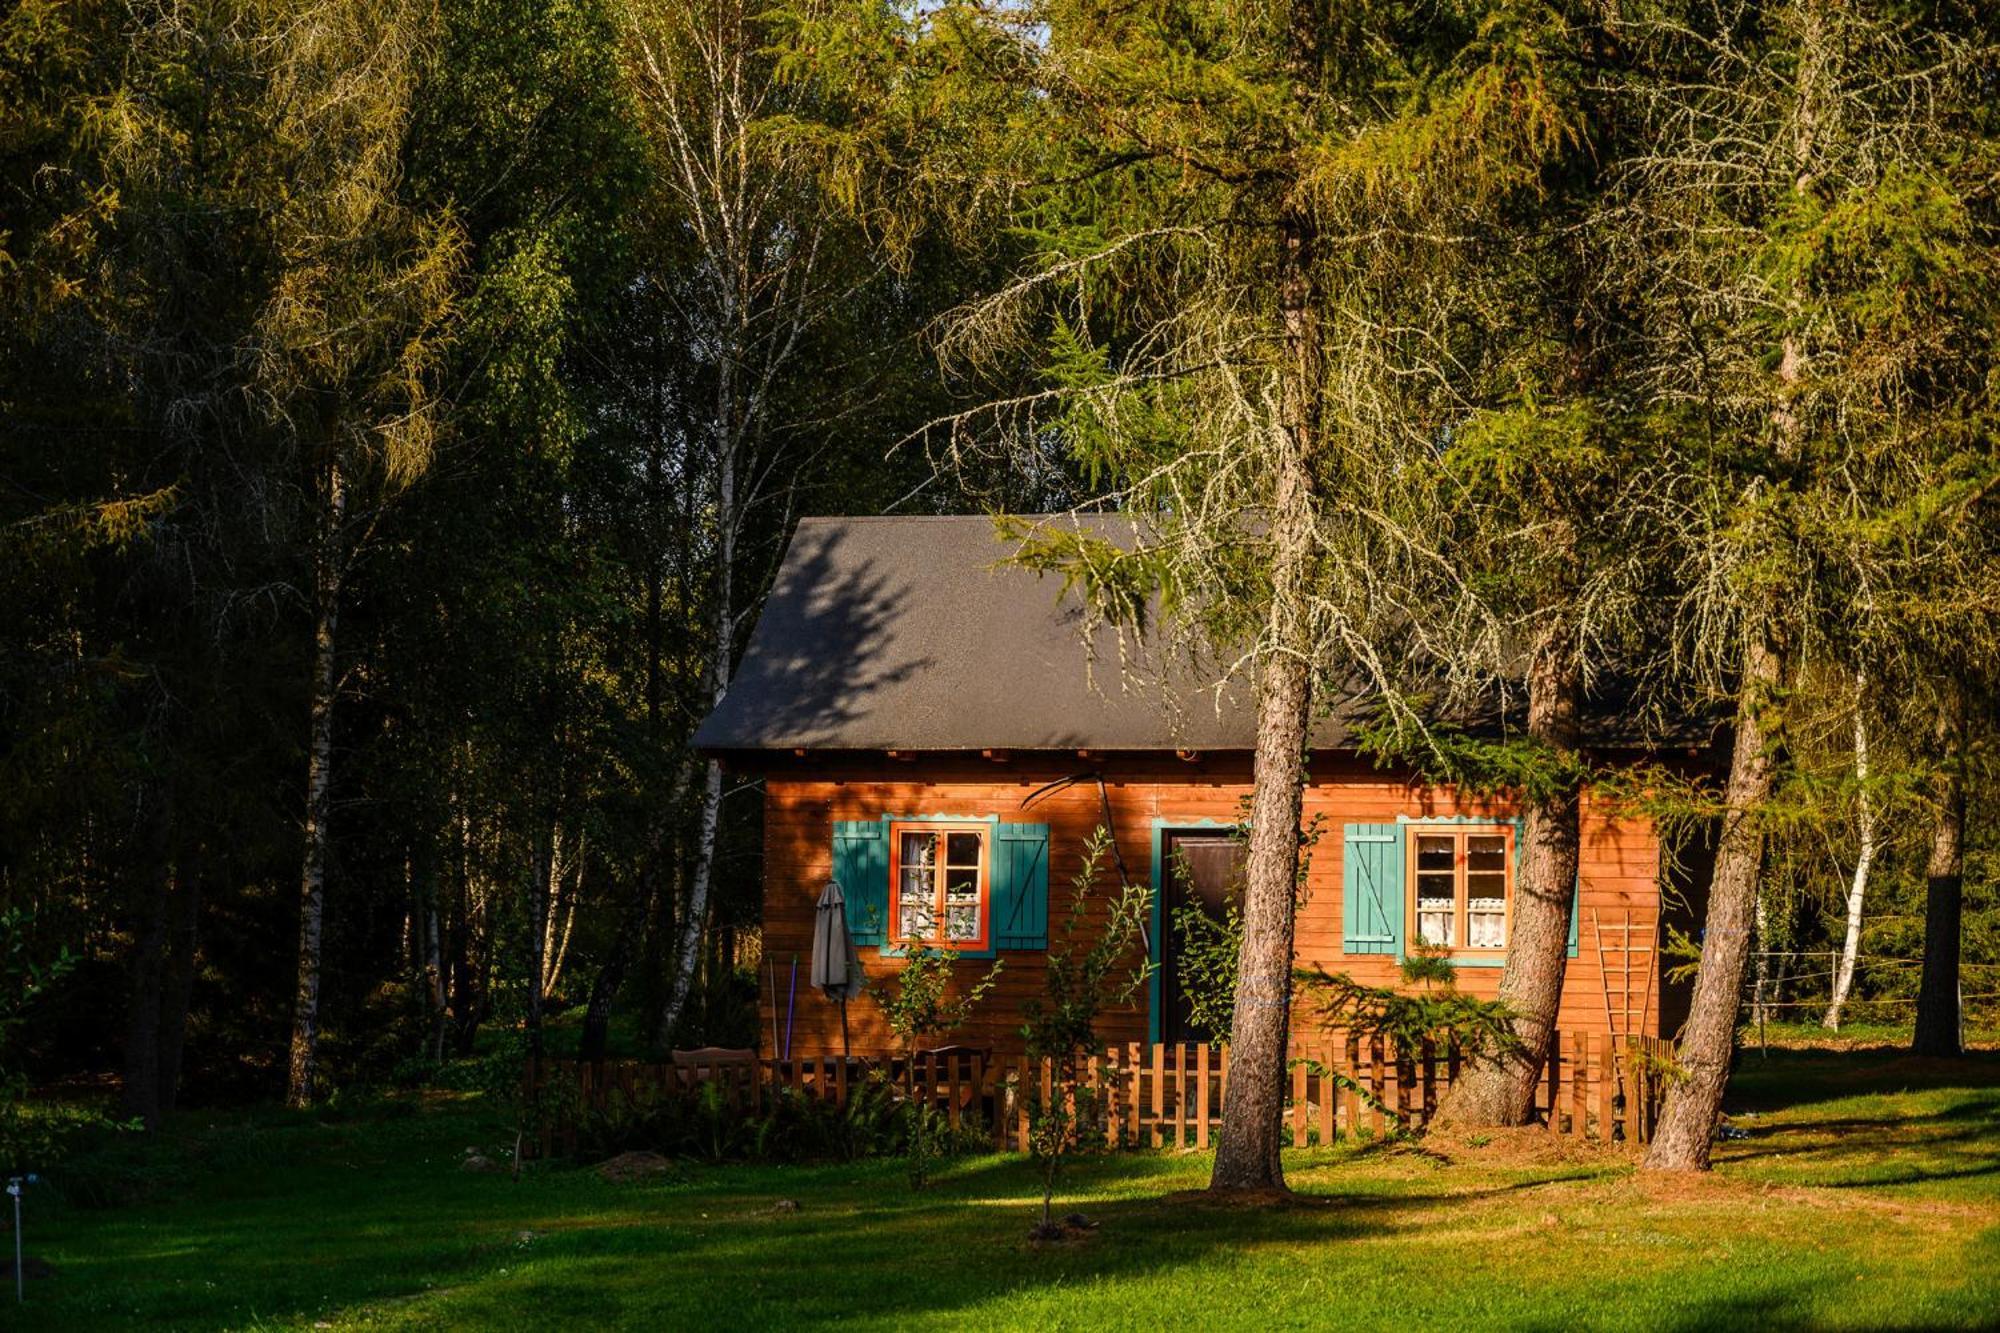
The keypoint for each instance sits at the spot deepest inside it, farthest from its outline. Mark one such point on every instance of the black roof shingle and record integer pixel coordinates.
(915, 634)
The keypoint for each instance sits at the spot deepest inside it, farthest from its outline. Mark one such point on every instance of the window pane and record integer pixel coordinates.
(1434, 886)
(1486, 851)
(1486, 886)
(918, 914)
(964, 922)
(1486, 923)
(1435, 923)
(961, 886)
(917, 894)
(919, 850)
(962, 849)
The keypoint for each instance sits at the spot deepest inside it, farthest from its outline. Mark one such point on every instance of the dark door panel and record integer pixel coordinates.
(1204, 869)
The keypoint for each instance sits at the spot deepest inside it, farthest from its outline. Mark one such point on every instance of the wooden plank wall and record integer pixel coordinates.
(1610, 987)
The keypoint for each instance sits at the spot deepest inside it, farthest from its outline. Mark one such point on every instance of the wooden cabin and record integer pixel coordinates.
(932, 733)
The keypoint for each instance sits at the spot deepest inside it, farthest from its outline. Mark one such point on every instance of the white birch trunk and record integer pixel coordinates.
(1850, 949)
(540, 861)
(562, 909)
(687, 951)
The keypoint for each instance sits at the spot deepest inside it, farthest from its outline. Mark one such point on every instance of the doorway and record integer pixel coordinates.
(1201, 868)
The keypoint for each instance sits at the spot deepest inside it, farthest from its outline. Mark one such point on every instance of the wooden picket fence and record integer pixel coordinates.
(1164, 1096)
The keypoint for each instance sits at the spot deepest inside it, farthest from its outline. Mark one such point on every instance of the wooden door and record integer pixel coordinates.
(1203, 870)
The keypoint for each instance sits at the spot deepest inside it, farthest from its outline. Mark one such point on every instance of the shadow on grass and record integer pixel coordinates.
(1889, 1119)
(1791, 1079)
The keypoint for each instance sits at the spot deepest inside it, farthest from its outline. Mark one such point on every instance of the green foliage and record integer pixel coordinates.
(33, 1135)
(921, 1004)
(1209, 954)
(707, 1124)
(1434, 1012)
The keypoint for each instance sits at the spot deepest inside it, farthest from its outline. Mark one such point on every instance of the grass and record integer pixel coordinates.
(1867, 1195)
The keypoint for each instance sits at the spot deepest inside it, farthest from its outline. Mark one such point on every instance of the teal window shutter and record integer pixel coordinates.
(1371, 890)
(1020, 880)
(861, 866)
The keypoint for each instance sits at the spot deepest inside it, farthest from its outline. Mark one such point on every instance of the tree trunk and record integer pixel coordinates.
(604, 987)
(139, 1095)
(541, 863)
(687, 952)
(1760, 983)
(177, 984)
(1686, 1130)
(1501, 1090)
(300, 1083)
(1857, 889)
(1938, 1026)
(434, 980)
(562, 907)
(1246, 1158)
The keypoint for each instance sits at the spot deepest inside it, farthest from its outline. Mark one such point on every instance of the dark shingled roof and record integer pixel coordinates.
(916, 634)
(912, 634)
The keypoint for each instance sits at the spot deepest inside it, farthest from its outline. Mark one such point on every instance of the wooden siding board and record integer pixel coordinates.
(1619, 863)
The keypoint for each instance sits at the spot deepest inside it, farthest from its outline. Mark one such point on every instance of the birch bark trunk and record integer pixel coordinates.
(687, 949)
(538, 913)
(327, 575)
(1857, 889)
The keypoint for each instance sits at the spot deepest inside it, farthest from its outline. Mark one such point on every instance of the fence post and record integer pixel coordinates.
(1006, 1104)
(1155, 1137)
(1398, 1090)
(1579, 1086)
(1427, 1078)
(1180, 1095)
(1201, 1102)
(1555, 1082)
(1299, 1103)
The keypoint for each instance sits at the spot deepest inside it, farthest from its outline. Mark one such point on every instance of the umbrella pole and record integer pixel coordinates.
(771, 970)
(843, 1027)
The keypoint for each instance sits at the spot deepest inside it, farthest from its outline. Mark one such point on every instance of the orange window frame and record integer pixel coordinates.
(940, 911)
(1461, 910)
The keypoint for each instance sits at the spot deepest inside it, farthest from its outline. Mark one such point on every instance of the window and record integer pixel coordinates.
(939, 885)
(1462, 884)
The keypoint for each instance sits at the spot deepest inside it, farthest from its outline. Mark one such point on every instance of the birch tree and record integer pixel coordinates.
(762, 280)
(1857, 889)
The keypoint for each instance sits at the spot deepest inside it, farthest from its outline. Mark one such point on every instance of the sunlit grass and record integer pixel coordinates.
(1867, 1195)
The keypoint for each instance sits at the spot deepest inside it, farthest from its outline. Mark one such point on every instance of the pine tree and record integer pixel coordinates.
(1815, 285)
(1244, 222)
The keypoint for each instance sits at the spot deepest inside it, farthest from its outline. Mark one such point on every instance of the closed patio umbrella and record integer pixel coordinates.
(836, 968)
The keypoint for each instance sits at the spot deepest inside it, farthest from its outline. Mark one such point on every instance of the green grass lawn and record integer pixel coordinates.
(1867, 1195)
